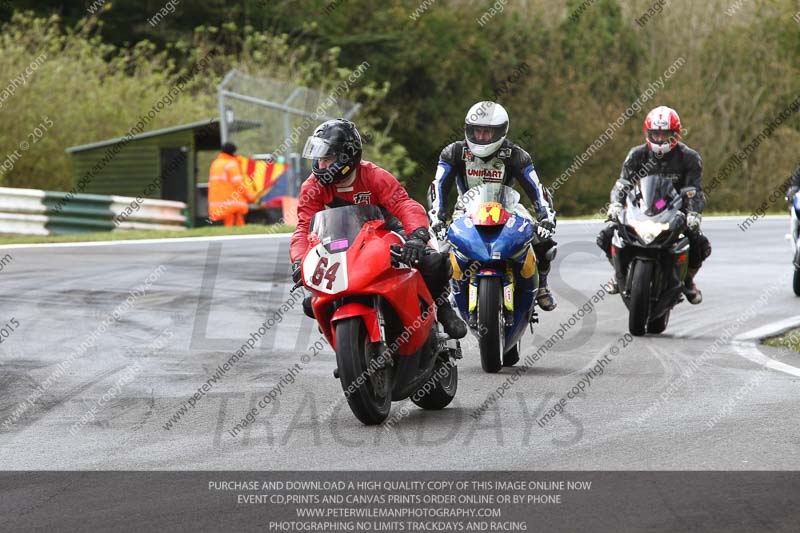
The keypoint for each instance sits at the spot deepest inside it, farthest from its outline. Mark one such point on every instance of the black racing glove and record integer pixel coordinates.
(297, 273)
(680, 220)
(545, 229)
(693, 220)
(414, 248)
(790, 193)
(614, 211)
(437, 226)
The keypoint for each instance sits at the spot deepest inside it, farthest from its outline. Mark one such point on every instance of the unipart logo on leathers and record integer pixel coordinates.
(484, 173)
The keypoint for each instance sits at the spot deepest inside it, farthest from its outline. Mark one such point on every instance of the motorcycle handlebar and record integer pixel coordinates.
(396, 252)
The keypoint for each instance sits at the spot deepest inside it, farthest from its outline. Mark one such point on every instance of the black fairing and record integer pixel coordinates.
(654, 198)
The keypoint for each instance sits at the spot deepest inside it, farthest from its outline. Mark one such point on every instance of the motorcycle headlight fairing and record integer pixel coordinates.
(648, 230)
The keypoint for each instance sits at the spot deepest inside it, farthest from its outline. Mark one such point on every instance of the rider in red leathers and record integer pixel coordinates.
(341, 178)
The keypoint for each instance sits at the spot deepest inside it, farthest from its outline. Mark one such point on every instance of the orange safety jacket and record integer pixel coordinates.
(227, 194)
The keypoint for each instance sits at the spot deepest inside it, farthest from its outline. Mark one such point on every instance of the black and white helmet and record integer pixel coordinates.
(481, 117)
(339, 139)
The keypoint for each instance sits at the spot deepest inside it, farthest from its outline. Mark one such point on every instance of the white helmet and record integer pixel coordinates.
(485, 115)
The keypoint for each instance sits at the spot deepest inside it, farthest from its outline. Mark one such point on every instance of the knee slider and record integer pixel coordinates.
(551, 253)
(705, 246)
(604, 238)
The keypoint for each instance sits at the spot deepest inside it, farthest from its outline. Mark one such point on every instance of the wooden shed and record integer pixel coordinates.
(159, 164)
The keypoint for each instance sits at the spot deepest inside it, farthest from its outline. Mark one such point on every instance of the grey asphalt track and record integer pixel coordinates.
(149, 323)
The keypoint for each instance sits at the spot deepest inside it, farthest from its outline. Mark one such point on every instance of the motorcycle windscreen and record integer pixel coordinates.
(337, 228)
(489, 203)
(654, 194)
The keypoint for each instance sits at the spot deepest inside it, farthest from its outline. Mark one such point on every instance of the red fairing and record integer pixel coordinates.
(370, 184)
(369, 271)
(368, 314)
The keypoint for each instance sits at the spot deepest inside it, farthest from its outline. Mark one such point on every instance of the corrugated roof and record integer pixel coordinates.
(237, 125)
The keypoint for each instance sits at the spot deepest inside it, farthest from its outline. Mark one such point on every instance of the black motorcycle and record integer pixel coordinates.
(651, 253)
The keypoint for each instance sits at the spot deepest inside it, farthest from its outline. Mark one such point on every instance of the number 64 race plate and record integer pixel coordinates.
(324, 271)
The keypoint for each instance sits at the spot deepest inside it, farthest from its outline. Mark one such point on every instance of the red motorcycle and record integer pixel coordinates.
(377, 314)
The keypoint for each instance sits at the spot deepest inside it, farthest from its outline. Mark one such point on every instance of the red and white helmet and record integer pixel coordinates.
(662, 119)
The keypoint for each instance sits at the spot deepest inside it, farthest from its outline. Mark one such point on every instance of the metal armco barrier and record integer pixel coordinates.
(35, 212)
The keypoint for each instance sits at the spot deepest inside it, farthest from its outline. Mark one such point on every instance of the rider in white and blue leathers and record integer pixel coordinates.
(487, 156)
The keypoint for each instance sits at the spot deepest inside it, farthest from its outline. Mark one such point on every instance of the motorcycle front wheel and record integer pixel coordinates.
(490, 322)
(796, 281)
(639, 307)
(368, 391)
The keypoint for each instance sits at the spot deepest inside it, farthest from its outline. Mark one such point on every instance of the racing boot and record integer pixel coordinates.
(612, 287)
(448, 318)
(690, 290)
(544, 298)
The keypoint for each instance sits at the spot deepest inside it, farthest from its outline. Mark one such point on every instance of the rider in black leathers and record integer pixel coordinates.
(665, 156)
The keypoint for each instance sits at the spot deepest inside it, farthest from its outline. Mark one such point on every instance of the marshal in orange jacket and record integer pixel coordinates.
(227, 194)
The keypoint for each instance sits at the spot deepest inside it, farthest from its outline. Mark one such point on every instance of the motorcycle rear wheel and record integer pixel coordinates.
(442, 387)
(659, 324)
(370, 406)
(511, 357)
(639, 307)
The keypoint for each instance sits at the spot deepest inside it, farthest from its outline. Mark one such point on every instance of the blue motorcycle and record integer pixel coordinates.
(495, 275)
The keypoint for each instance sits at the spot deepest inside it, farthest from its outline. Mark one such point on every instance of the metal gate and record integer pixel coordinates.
(286, 115)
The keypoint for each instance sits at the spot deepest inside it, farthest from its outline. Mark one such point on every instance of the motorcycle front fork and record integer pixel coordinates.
(508, 298)
(379, 350)
(508, 295)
